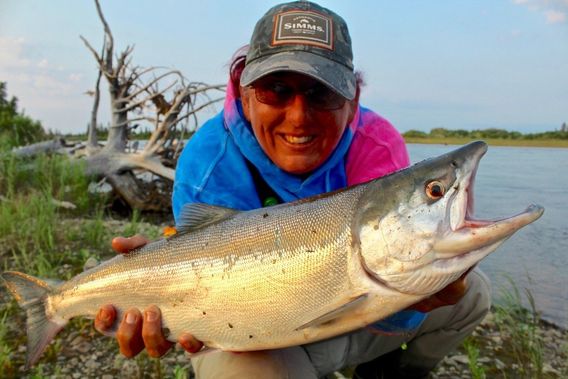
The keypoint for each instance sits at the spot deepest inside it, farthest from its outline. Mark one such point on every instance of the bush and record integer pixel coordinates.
(16, 128)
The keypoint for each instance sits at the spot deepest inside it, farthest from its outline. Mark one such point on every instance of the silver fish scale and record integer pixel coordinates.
(239, 284)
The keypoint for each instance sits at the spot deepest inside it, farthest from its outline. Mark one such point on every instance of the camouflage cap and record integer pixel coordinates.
(306, 38)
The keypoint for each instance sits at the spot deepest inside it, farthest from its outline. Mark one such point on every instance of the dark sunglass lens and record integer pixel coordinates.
(273, 93)
(321, 97)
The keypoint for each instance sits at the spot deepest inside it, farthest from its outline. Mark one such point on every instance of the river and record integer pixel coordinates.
(536, 257)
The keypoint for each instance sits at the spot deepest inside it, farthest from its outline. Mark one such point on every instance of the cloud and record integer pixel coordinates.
(48, 90)
(21, 66)
(554, 11)
(75, 77)
(554, 17)
(11, 53)
(43, 63)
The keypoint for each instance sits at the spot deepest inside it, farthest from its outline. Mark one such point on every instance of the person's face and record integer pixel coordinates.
(297, 120)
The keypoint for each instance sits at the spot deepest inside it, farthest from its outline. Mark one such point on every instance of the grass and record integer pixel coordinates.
(515, 337)
(43, 239)
(472, 350)
(519, 327)
(490, 141)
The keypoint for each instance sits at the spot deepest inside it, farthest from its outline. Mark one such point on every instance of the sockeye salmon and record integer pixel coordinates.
(292, 273)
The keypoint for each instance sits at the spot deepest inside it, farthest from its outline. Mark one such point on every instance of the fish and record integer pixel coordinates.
(292, 273)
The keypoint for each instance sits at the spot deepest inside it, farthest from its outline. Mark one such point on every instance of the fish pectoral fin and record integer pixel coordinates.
(335, 313)
(196, 215)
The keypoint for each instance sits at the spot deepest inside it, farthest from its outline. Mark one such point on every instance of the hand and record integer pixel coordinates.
(450, 295)
(137, 331)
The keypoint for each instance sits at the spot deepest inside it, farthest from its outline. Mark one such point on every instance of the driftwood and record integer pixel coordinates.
(160, 98)
(54, 146)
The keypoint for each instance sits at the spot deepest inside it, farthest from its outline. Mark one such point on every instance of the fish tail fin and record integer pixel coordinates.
(31, 294)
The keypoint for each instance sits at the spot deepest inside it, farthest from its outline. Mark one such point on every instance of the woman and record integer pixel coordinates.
(292, 127)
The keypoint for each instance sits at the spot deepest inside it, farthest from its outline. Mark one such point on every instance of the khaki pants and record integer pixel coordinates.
(440, 333)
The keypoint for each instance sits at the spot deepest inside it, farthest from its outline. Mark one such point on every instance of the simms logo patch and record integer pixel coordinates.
(303, 27)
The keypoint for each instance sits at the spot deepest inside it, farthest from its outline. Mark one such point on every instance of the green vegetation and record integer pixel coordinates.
(42, 238)
(15, 127)
(477, 370)
(513, 342)
(519, 328)
(497, 137)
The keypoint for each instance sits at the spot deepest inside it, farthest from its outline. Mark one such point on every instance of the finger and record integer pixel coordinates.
(190, 343)
(453, 292)
(129, 333)
(124, 245)
(156, 344)
(105, 318)
(427, 304)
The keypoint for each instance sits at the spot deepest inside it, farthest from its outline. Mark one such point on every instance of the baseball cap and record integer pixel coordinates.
(302, 37)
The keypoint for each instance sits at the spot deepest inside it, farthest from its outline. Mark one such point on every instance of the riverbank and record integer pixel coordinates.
(491, 141)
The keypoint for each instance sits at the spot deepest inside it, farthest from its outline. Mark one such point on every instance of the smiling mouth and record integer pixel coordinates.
(298, 140)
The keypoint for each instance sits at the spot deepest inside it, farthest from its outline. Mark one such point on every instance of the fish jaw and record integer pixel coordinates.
(473, 237)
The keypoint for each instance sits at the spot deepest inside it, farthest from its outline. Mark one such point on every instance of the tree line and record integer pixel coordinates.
(492, 133)
(16, 128)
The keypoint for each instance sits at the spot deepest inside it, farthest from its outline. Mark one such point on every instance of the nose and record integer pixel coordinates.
(298, 110)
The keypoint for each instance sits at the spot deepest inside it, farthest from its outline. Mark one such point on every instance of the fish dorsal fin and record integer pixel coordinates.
(197, 215)
(335, 313)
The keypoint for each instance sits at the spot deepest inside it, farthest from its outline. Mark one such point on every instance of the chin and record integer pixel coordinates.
(298, 167)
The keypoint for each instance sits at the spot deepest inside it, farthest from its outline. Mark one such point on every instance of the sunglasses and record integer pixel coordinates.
(278, 93)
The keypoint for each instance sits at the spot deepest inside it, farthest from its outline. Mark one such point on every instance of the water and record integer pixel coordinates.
(536, 257)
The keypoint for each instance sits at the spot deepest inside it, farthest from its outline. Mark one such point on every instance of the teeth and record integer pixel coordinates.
(298, 140)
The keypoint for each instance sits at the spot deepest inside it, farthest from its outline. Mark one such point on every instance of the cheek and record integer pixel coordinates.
(336, 125)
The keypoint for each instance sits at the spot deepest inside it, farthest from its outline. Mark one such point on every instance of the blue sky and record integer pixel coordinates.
(427, 64)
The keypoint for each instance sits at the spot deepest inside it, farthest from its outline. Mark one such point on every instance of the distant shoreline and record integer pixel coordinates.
(491, 141)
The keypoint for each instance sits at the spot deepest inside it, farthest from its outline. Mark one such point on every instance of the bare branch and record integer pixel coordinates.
(195, 110)
(110, 39)
(156, 80)
(95, 54)
(143, 118)
(220, 87)
(92, 142)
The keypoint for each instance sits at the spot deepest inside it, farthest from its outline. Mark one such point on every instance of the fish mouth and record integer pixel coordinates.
(469, 235)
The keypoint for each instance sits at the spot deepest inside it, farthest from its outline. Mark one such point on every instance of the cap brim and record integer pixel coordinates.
(335, 75)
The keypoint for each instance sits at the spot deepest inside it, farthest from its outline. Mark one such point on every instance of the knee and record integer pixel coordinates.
(481, 287)
(477, 300)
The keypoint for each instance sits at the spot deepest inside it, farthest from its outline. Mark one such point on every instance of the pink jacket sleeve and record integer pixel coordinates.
(377, 149)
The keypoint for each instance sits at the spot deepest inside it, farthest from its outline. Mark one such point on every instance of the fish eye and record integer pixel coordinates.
(435, 190)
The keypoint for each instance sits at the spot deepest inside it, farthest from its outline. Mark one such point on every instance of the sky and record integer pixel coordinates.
(427, 64)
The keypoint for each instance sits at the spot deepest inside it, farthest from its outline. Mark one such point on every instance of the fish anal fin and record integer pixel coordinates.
(197, 215)
(345, 308)
(205, 351)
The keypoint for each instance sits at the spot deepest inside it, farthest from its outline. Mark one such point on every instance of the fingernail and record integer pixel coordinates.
(130, 318)
(151, 316)
(104, 315)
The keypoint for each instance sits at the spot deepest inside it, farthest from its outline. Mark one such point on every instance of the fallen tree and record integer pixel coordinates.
(155, 96)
